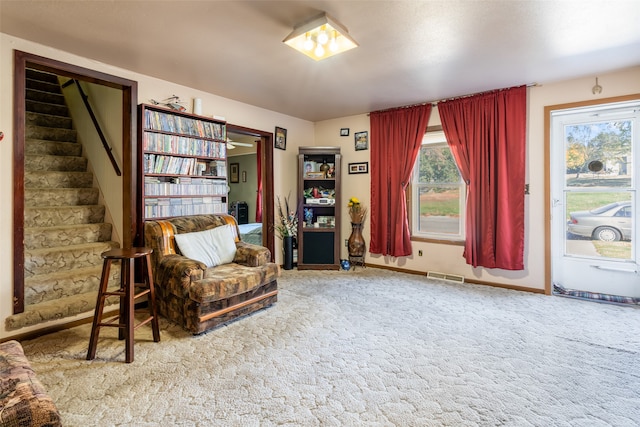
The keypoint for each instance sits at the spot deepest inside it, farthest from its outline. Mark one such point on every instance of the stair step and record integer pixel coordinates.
(51, 134)
(35, 314)
(42, 76)
(54, 148)
(43, 86)
(47, 97)
(50, 260)
(46, 108)
(66, 235)
(55, 163)
(47, 287)
(51, 216)
(53, 179)
(47, 197)
(48, 120)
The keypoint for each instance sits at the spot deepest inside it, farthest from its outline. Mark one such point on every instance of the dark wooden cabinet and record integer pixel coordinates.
(183, 163)
(319, 208)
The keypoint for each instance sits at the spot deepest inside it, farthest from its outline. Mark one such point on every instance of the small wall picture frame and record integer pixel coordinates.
(244, 176)
(360, 167)
(361, 140)
(281, 138)
(234, 173)
(344, 132)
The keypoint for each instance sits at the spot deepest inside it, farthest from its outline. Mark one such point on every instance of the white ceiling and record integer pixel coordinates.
(410, 51)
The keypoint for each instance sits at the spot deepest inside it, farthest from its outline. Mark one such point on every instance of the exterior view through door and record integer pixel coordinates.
(594, 180)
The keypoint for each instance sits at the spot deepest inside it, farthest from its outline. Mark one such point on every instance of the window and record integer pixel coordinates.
(438, 199)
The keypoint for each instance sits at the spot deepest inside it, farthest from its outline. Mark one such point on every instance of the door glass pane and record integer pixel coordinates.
(599, 154)
(598, 203)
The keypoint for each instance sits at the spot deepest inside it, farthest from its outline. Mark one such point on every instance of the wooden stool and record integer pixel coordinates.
(127, 293)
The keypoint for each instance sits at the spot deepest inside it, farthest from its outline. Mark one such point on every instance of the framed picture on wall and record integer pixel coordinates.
(281, 138)
(361, 167)
(344, 132)
(234, 173)
(362, 140)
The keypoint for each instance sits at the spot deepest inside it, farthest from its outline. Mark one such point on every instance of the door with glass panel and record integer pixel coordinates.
(594, 179)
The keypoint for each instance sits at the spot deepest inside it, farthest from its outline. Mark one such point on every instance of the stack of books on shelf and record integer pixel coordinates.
(166, 207)
(158, 120)
(175, 144)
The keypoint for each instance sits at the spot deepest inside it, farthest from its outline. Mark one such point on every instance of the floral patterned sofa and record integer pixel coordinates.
(23, 399)
(198, 297)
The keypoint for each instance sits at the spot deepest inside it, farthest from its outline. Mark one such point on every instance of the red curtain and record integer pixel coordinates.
(487, 136)
(396, 136)
(259, 172)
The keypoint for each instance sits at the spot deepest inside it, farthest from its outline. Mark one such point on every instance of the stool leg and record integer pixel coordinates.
(122, 311)
(152, 300)
(129, 320)
(97, 317)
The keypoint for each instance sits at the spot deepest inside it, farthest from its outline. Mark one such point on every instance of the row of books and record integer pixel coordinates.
(175, 144)
(164, 207)
(184, 187)
(171, 165)
(157, 120)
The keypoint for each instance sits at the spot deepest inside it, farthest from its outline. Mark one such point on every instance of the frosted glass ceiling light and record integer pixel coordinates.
(309, 38)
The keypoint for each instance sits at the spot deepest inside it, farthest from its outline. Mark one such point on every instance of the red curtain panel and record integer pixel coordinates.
(396, 136)
(487, 136)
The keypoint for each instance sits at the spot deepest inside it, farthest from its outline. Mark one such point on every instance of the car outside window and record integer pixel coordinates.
(438, 192)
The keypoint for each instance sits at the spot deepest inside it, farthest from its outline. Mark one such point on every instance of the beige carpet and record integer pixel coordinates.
(371, 348)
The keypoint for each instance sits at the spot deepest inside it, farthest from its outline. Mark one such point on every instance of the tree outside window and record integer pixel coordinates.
(438, 200)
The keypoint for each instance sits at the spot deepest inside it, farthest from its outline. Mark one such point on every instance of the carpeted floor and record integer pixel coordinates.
(364, 348)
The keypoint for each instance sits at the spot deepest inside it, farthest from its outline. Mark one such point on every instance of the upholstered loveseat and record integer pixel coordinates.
(199, 297)
(23, 399)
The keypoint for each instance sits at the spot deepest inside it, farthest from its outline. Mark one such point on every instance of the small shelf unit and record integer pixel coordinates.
(319, 208)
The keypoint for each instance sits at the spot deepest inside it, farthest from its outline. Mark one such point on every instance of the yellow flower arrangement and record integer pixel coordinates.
(357, 212)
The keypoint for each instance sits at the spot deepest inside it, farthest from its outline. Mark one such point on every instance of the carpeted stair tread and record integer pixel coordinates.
(84, 303)
(55, 148)
(45, 108)
(51, 134)
(43, 86)
(55, 163)
(50, 216)
(66, 235)
(43, 76)
(62, 284)
(42, 96)
(48, 120)
(43, 197)
(57, 179)
(50, 260)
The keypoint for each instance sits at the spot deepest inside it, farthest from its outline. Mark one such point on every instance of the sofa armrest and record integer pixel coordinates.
(251, 255)
(176, 273)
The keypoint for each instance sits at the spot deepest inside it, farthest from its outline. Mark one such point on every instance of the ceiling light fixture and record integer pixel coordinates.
(316, 35)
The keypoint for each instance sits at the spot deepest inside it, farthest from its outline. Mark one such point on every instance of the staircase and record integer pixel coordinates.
(64, 228)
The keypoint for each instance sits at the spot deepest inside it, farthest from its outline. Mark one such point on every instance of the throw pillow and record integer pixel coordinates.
(212, 247)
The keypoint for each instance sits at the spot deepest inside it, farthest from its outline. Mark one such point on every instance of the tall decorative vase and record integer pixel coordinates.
(287, 246)
(357, 246)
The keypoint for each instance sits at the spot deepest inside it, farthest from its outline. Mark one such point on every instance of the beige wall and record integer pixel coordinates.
(448, 258)
(299, 132)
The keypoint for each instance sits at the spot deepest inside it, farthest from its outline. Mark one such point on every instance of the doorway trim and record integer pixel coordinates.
(547, 172)
(129, 88)
(266, 148)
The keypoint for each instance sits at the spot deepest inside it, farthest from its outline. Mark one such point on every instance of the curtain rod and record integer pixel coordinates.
(434, 103)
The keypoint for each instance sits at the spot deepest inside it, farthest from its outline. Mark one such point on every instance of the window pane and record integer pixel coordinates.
(439, 209)
(437, 165)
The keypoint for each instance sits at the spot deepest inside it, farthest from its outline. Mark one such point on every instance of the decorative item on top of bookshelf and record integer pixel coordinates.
(362, 140)
(281, 138)
(234, 176)
(344, 132)
(361, 167)
(172, 102)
